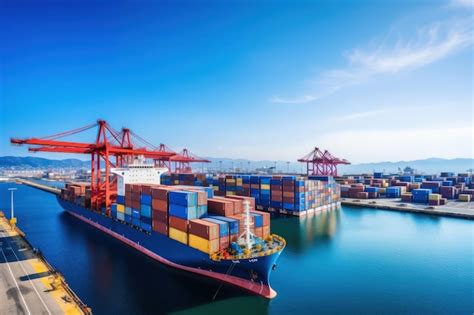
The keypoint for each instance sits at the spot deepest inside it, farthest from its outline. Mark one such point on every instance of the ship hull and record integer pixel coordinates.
(251, 274)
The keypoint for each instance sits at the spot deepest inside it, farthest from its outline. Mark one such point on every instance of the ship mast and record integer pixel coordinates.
(247, 238)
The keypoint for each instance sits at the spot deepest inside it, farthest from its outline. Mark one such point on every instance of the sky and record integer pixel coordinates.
(263, 80)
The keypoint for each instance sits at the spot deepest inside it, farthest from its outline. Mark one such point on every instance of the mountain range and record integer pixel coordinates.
(427, 166)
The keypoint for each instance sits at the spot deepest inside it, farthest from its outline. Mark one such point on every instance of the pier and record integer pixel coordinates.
(30, 284)
(452, 209)
(46, 188)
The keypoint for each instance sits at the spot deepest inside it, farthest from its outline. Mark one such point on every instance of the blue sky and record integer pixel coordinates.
(368, 80)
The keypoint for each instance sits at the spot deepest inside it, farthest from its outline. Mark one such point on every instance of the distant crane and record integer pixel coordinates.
(321, 163)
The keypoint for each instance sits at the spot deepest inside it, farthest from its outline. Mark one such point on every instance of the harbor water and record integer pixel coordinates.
(352, 260)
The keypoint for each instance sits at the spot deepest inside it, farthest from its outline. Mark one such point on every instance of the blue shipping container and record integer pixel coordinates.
(233, 223)
(223, 226)
(183, 212)
(121, 199)
(145, 200)
(183, 198)
(145, 211)
(258, 219)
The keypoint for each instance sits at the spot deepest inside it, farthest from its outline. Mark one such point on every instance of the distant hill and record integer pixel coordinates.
(35, 162)
(427, 166)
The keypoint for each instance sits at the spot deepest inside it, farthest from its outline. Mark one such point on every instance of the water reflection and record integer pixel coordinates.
(303, 233)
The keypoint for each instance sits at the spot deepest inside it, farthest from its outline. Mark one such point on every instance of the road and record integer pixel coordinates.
(26, 282)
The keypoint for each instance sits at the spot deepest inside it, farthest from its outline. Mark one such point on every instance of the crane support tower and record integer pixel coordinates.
(322, 163)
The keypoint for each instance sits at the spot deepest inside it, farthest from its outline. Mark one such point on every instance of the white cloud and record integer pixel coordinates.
(429, 45)
(300, 100)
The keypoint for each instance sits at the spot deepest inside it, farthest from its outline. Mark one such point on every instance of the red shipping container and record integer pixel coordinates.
(220, 207)
(362, 195)
(160, 227)
(146, 189)
(251, 200)
(204, 229)
(259, 232)
(160, 205)
(136, 204)
(128, 188)
(136, 188)
(128, 202)
(160, 216)
(160, 192)
(178, 223)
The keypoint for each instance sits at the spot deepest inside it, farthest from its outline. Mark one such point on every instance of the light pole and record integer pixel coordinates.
(12, 216)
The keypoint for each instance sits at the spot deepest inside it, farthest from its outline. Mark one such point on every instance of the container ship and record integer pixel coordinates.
(185, 227)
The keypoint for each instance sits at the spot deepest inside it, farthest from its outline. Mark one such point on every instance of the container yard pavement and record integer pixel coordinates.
(25, 280)
(451, 209)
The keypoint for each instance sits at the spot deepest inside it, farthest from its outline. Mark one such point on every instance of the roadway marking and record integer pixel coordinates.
(29, 279)
(16, 283)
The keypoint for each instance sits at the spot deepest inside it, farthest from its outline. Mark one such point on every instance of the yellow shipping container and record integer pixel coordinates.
(239, 181)
(464, 197)
(230, 180)
(434, 197)
(230, 193)
(204, 245)
(120, 208)
(385, 185)
(178, 235)
(265, 186)
(382, 190)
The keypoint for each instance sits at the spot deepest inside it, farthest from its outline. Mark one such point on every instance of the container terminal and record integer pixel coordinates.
(444, 194)
(31, 285)
(214, 226)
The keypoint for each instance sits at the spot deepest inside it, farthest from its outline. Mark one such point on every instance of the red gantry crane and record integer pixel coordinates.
(182, 160)
(322, 163)
(108, 144)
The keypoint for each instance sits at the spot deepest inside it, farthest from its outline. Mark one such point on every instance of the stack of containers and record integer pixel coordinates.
(245, 185)
(204, 236)
(159, 206)
(230, 185)
(182, 207)
(288, 187)
(393, 192)
(145, 208)
(135, 203)
(300, 196)
(448, 192)
(265, 191)
(421, 195)
(276, 195)
(372, 192)
(434, 199)
(233, 226)
(407, 197)
(255, 188)
(355, 189)
(433, 185)
(224, 240)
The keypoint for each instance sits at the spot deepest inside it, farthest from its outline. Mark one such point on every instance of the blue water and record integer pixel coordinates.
(348, 261)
